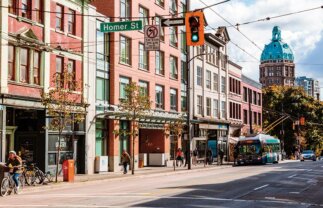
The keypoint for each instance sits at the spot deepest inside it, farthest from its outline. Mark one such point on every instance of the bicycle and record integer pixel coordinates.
(8, 185)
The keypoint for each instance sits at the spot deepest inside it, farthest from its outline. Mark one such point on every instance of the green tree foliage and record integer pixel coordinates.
(136, 105)
(292, 101)
(64, 105)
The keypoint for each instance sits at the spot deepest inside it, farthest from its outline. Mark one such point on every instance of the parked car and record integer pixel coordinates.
(308, 155)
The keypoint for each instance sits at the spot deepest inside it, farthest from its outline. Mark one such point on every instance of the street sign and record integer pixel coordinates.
(120, 26)
(152, 37)
(172, 22)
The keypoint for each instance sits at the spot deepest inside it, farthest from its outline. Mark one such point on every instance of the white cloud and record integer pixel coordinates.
(301, 31)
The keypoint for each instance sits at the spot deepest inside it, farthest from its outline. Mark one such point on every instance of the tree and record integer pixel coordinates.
(64, 106)
(176, 129)
(135, 106)
(293, 102)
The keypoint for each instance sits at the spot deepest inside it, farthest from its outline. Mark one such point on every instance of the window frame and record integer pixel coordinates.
(26, 9)
(160, 105)
(144, 57)
(144, 16)
(215, 108)
(141, 84)
(123, 82)
(71, 29)
(59, 17)
(208, 79)
(173, 99)
(127, 7)
(39, 11)
(24, 65)
(59, 73)
(173, 71)
(199, 104)
(160, 67)
(12, 7)
(208, 106)
(127, 44)
(199, 76)
(36, 68)
(173, 39)
(12, 61)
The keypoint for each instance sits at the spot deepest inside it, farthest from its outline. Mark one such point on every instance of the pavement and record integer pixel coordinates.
(287, 184)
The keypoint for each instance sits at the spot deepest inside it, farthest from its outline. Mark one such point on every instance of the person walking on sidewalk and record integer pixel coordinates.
(195, 155)
(125, 160)
(179, 157)
(235, 155)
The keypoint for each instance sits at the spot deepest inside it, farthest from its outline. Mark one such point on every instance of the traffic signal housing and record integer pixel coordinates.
(194, 22)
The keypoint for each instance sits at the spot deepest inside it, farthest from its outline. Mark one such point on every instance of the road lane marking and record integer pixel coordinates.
(309, 170)
(294, 192)
(255, 189)
(292, 176)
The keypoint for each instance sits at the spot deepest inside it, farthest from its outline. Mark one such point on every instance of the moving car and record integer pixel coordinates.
(308, 155)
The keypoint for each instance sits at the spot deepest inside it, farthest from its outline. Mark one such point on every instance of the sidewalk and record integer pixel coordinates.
(119, 176)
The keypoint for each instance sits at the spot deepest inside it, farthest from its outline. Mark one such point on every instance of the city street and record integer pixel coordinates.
(288, 184)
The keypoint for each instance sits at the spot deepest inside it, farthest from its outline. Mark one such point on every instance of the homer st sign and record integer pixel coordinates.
(120, 26)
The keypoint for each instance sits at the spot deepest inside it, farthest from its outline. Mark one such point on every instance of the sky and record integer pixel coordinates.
(303, 32)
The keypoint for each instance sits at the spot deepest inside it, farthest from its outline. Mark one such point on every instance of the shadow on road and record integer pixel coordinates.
(290, 185)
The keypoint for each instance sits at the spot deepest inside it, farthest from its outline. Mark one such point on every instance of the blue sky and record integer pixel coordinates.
(303, 32)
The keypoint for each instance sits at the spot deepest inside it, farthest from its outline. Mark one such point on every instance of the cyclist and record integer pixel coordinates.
(14, 164)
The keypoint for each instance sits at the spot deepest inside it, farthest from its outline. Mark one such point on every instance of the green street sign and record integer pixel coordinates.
(120, 26)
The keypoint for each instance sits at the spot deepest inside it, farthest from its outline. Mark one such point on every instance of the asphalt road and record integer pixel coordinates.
(289, 184)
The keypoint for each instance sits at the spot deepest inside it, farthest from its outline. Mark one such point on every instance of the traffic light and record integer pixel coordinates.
(194, 22)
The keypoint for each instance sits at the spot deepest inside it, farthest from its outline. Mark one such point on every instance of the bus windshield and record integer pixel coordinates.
(249, 149)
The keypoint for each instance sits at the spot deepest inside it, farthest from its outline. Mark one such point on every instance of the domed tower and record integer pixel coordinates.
(277, 62)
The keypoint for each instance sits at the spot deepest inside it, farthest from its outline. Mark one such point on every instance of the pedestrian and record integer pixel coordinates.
(209, 156)
(179, 157)
(14, 164)
(187, 157)
(195, 155)
(235, 155)
(221, 154)
(125, 160)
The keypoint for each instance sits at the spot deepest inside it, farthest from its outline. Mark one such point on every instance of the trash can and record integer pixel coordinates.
(68, 170)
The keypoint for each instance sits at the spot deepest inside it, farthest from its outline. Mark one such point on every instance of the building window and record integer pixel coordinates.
(199, 76)
(199, 104)
(210, 58)
(255, 97)
(11, 62)
(24, 65)
(102, 89)
(183, 73)
(223, 84)
(172, 6)
(162, 29)
(71, 22)
(254, 118)
(123, 81)
(26, 8)
(160, 3)
(245, 116)
(59, 17)
(38, 11)
(12, 6)
(125, 50)
(208, 106)
(124, 10)
(71, 71)
(173, 67)
(223, 109)
(245, 94)
(143, 15)
(208, 79)
(259, 119)
(215, 82)
(160, 62)
(173, 99)
(183, 103)
(143, 87)
(159, 97)
(231, 110)
(36, 70)
(183, 42)
(173, 36)
(143, 57)
(102, 65)
(215, 108)
(59, 71)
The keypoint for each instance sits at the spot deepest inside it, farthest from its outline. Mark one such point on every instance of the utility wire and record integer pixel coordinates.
(274, 17)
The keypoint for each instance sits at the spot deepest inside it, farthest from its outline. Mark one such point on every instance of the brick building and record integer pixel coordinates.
(39, 38)
(157, 72)
(251, 105)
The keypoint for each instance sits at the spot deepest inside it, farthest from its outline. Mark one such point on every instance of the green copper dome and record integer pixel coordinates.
(277, 49)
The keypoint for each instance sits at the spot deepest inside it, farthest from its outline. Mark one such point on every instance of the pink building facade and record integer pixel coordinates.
(251, 106)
